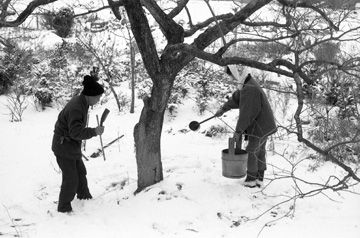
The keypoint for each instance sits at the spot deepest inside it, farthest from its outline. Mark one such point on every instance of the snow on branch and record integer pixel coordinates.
(180, 6)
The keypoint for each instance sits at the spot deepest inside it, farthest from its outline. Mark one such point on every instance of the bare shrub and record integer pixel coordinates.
(217, 131)
(16, 105)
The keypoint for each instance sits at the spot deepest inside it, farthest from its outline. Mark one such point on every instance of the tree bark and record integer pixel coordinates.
(114, 93)
(147, 134)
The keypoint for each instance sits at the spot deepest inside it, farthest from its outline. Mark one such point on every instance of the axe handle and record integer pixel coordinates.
(101, 142)
(87, 124)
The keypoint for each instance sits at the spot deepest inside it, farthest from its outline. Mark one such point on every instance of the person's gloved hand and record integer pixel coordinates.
(99, 130)
(238, 139)
(237, 136)
(219, 112)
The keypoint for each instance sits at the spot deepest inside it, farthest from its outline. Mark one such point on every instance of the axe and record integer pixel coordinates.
(103, 118)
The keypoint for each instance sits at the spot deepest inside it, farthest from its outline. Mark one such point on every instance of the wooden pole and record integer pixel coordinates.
(87, 124)
(101, 142)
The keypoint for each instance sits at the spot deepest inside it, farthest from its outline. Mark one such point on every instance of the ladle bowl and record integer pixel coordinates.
(194, 125)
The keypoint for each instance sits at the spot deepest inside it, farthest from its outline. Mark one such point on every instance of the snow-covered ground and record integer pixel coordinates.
(193, 200)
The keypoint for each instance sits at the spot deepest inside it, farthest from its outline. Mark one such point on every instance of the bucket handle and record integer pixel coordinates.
(232, 142)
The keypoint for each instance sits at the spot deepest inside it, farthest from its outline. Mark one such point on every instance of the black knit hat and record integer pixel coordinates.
(91, 87)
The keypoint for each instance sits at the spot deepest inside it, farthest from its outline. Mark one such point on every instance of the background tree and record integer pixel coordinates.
(126, 34)
(105, 54)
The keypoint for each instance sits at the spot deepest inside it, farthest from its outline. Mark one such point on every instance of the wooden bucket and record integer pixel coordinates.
(234, 160)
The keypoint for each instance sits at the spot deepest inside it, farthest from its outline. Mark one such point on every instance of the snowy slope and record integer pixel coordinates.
(194, 200)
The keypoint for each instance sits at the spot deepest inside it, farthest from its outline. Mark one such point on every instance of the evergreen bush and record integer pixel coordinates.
(44, 97)
(5, 83)
(61, 21)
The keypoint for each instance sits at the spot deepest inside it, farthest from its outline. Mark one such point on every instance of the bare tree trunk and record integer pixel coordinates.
(105, 68)
(147, 135)
(114, 93)
(132, 59)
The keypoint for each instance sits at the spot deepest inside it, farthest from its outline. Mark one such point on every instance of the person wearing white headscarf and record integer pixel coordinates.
(256, 121)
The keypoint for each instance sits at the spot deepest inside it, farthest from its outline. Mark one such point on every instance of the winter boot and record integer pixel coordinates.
(84, 196)
(64, 207)
(250, 180)
(260, 178)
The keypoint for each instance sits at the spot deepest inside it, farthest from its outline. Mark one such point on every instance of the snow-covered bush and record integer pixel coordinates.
(62, 21)
(43, 95)
(172, 108)
(15, 66)
(217, 131)
(179, 92)
(209, 83)
(5, 83)
(58, 75)
(143, 87)
(331, 130)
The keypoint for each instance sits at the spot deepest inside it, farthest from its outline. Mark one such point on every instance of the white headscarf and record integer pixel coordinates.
(235, 72)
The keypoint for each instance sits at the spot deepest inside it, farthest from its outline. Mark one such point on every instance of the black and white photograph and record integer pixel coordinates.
(179, 118)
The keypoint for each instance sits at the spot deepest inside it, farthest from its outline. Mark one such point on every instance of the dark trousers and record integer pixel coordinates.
(73, 181)
(256, 154)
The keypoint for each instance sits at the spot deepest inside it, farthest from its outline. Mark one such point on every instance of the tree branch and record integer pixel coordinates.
(115, 8)
(194, 28)
(24, 14)
(173, 32)
(223, 49)
(275, 24)
(355, 139)
(308, 4)
(142, 33)
(180, 6)
(6, 42)
(4, 9)
(229, 24)
(189, 16)
(326, 153)
(91, 11)
(217, 59)
(215, 32)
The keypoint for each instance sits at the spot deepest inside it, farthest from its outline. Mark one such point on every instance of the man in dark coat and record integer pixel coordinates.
(70, 130)
(256, 121)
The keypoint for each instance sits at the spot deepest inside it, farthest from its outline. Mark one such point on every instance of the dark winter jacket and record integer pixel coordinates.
(255, 115)
(70, 129)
